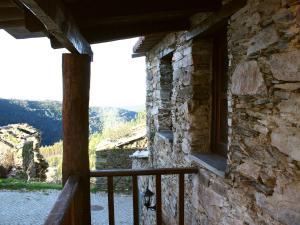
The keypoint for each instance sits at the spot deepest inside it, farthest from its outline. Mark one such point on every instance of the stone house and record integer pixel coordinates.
(225, 97)
(19, 153)
(116, 154)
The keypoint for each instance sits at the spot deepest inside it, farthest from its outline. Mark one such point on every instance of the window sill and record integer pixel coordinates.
(213, 162)
(166, 135)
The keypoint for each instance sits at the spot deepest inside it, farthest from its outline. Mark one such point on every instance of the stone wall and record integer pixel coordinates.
(118, 158)
(114, 159)
(262, 181)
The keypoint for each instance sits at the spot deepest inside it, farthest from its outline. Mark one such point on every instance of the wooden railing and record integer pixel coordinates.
(61, 212)
(110, 174)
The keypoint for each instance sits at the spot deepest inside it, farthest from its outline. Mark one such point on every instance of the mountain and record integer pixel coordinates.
(46, 116)
(135, 108)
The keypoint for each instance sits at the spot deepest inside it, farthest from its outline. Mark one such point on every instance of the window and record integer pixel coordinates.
(219, 136)
(209, 140)
(165, 89)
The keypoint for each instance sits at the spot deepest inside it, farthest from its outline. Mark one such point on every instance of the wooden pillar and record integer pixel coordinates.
(76, 87)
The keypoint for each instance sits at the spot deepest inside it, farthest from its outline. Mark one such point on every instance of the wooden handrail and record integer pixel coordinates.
(142, 172)
(62, 205)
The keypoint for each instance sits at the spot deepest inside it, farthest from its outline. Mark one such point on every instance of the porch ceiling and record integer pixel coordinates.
(101, 21)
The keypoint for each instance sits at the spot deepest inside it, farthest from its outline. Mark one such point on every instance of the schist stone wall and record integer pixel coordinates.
(262, 181)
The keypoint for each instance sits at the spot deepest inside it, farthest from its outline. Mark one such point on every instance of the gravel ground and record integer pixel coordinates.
(31, 208)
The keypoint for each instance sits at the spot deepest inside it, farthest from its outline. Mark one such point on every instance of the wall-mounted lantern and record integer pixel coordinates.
(148, 200)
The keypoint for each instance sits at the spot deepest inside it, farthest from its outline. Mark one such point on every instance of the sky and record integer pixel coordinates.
(31, 70)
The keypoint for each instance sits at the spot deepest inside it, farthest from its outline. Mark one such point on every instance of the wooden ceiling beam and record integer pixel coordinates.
(114, 32)
(59, 23)
(11, 24)
(115, 8)
(117, 32)
(32, 23)
(86, 22)
(7, 14)
(7, 4)
(216, 20)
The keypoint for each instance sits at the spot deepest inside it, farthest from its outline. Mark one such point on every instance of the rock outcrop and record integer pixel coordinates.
(19, 153)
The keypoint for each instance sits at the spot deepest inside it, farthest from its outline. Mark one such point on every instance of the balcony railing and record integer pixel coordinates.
(61, 211)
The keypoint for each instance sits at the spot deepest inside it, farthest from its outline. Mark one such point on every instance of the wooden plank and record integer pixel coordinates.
(22, 33)
(7, 14)
(106, 9)
(60, 24)
(76, 85)
(32, 23)
(120, 31)
(7, 3)
(11, 23)
(216, 20)
(135, 193)
(142, 172)
(158, 200)
(62, 205)
(110, 193)
(181, 199)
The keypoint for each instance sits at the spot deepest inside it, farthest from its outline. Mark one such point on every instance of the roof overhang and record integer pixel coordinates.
(100, 21)
(205, 28)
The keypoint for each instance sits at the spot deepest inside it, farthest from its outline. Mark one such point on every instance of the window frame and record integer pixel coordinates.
(219, 114)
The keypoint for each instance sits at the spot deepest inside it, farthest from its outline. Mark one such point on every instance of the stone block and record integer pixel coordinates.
(249, 169)
(286, 66)
(263, 40)
(248, 80)
(288, 86)
(287, 140)
(282, 205)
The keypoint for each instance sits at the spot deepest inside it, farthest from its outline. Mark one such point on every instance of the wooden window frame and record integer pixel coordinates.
(219, 132)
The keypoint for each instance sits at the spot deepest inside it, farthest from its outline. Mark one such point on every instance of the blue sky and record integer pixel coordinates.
(30, 69)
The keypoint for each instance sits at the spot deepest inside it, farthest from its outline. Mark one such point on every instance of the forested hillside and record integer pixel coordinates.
(46, 116)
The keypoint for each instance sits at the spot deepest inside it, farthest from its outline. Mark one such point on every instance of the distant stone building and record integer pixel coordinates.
(115, 154)
(225, 97)
(19, 153)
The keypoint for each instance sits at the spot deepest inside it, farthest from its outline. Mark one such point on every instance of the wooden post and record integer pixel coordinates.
(76, 87)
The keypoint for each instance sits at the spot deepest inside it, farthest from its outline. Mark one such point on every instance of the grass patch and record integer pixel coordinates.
(22, 185)
(14, 184)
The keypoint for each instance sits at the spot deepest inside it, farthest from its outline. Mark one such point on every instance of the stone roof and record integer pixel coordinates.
(137, 134)
(15, 135)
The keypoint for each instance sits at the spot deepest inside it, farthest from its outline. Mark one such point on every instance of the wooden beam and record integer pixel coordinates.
(116, 8)
(115, 32)
(11, 24)
(76, 86)
(23, 33)
(7, 4)
(216, 20)
(32, 23)
(7, 14)
(58, 22)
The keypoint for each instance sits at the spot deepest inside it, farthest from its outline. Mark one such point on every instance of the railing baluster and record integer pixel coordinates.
(135, 192)
(181, 199)
(134, 173)
(158, 200)
(110, 191)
